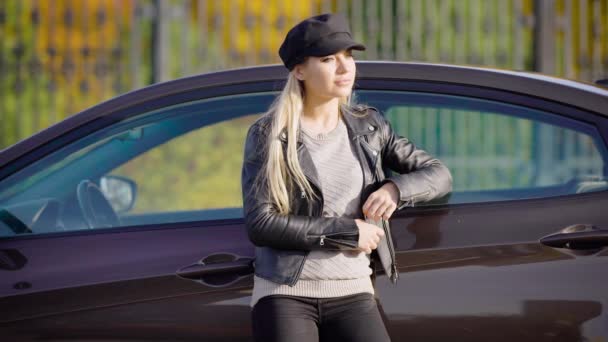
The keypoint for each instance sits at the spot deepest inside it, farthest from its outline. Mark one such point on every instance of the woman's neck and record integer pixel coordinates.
(320, 116)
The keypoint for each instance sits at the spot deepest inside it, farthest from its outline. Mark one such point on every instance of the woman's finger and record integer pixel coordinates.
(384, 206)
(368, 203)
(383, 209)
(389, 211)
(373, 208)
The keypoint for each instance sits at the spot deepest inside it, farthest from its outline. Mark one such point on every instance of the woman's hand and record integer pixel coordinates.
(369, 236)
(382, 202)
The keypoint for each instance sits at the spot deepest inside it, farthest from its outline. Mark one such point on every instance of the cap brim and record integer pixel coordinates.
(331, 46)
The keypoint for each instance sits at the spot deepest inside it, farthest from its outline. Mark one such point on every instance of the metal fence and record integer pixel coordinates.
(59, 57)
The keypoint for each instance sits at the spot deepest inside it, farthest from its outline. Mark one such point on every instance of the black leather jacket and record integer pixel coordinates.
(283, 241)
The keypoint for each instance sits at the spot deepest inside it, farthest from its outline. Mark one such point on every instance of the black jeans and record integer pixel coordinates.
(291, 319)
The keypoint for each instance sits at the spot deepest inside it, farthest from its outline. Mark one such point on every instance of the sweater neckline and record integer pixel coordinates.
(327, 135)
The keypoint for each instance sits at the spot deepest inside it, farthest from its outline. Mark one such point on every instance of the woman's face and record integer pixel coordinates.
(329, 76)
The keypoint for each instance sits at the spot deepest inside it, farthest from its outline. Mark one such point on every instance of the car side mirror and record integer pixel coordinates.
(120, 192)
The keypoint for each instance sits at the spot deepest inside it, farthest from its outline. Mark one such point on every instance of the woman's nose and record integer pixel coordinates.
(342, 67)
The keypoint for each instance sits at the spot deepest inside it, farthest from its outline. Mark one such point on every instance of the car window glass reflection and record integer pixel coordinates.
(176, 164)
(193, 177)
(498, 151)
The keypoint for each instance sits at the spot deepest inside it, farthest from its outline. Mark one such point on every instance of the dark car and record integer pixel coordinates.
(125, 221)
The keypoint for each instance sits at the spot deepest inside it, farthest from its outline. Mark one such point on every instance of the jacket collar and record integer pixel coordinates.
(359, 120)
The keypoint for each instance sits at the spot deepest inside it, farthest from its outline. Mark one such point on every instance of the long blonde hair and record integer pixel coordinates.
(283, 173)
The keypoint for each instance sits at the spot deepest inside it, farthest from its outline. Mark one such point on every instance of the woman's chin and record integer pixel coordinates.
(341, 92)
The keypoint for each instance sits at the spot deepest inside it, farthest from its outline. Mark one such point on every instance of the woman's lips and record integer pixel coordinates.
(342, 82)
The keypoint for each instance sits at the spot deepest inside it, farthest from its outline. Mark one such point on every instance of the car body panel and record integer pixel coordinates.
(125, 272)
(478, 272)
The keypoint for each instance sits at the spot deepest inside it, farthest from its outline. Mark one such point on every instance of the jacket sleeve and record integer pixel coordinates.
(419, 177)
(266, 227)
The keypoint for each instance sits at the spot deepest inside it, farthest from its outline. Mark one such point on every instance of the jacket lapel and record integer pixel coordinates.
(359, 128)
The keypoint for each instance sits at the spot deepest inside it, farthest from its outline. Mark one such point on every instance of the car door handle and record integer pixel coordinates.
(200, 270)
(220, 269)
(578, 237)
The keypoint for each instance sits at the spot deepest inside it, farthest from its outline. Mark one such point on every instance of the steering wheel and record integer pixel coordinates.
(95, 207)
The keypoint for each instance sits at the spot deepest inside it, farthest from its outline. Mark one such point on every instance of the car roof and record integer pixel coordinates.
(582, 95)
(503, 74)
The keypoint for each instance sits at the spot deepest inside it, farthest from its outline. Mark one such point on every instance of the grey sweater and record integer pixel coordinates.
(330, 273)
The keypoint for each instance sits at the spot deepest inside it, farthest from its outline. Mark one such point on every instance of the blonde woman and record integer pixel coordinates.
(312, 173)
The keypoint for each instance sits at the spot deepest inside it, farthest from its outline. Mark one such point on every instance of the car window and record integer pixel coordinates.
(193, 177)
(175, 164)
(497, 151)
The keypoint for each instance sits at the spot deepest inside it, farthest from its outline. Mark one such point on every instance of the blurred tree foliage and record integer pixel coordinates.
(59, 57)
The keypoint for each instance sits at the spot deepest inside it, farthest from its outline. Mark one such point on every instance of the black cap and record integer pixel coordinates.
(320, 35)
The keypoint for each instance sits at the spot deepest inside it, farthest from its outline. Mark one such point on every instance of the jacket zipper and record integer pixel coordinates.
(389, 240)
(327, 237)
(410, 201)
(391, 248)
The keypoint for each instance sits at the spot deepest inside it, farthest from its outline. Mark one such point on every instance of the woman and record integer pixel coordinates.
(312, 172)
